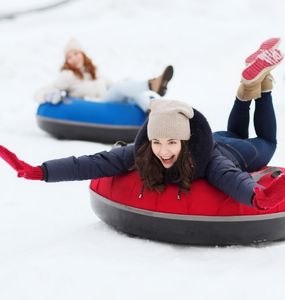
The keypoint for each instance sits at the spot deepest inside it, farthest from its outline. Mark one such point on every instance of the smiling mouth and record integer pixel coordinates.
(167, 160)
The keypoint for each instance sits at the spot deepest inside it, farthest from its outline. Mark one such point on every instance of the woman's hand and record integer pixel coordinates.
(23, 169)
(56, 96)
(272, 195)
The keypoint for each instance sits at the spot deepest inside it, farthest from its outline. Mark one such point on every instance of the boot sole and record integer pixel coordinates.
(261, 66)
(269, 44)
(260, 75)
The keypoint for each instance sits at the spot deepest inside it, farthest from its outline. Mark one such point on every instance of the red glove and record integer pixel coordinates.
(23, 169)
(271, 196)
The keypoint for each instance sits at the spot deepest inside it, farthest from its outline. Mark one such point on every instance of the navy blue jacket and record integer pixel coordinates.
(211, 160)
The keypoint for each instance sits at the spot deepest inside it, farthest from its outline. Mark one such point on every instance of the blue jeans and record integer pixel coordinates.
(251, 153)
(131, 91)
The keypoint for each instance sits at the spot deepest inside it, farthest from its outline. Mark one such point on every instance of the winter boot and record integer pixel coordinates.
(256, 76)
(269, 44)
(247, 92)
(267, 83)
(159, 84)
(266, 61)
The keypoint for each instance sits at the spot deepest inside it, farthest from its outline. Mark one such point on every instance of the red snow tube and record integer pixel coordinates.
(204, 216)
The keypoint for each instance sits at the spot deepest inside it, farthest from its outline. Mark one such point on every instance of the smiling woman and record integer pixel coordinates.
(167, 128)
(80, 78)
(82, 104)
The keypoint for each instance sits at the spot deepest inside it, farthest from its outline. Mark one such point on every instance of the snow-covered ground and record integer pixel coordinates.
(52, 246)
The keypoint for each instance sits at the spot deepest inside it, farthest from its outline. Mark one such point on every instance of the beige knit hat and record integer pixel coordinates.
(72, 44)
(169, 119)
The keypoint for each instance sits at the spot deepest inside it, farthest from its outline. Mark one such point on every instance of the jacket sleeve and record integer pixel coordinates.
(224, 175)
(102, 164)
(64, 81)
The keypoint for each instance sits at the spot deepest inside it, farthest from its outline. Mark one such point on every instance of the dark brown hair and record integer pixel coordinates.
(152, 171)
(88, 66)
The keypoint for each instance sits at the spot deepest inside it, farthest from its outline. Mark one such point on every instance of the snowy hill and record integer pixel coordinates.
(52, 245)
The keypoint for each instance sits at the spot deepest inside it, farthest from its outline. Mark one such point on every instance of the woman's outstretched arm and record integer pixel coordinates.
(224, 175)
(102, 164)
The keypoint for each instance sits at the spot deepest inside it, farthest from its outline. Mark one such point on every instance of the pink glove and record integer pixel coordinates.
(22, 168)
(271, 196)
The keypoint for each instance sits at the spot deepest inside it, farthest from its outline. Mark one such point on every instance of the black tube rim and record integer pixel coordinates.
(42, 119)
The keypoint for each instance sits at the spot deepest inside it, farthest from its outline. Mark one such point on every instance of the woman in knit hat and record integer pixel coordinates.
(176, 145)
(80, 78)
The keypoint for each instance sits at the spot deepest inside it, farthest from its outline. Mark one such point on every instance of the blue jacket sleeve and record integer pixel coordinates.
(103, 164)
(224, 175)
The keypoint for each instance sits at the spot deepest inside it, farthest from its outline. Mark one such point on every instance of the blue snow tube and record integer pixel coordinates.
(105, 122)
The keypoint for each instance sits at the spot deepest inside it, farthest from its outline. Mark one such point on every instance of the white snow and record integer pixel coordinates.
(52, 246)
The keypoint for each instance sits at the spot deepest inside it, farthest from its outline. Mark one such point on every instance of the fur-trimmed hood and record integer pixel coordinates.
(200, 143)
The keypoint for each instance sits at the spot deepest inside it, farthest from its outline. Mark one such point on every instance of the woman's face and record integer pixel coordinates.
(75, 59)
(166, 150)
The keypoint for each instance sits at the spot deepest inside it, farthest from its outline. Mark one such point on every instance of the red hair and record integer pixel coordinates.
(88, 66)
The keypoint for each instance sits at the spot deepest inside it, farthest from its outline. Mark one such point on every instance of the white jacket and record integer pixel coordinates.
(85, 88)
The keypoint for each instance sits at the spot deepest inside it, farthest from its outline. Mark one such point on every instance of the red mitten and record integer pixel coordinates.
(22, 168)
(271, 196)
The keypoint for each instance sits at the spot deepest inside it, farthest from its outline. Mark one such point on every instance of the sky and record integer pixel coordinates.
(52, 245)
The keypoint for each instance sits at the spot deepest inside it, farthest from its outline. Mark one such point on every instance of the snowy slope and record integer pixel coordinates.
(52, 246)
